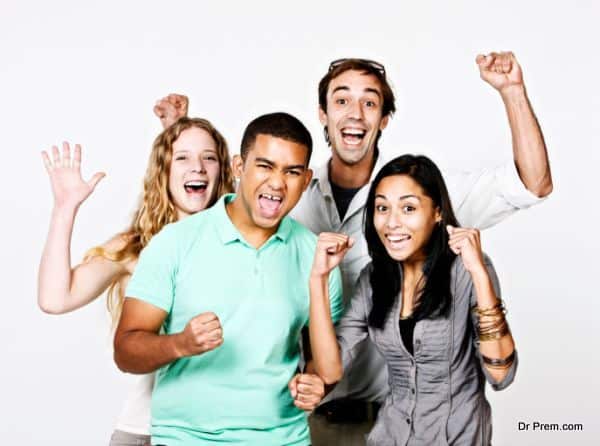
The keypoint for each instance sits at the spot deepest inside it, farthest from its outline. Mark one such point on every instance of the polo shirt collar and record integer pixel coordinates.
(229, 233)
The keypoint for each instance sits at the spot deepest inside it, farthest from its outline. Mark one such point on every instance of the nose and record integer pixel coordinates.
(356, 111)
(394, 220)
(276, 180)
(198, 166)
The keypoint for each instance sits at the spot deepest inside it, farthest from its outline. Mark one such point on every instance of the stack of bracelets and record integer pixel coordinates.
(493, 326)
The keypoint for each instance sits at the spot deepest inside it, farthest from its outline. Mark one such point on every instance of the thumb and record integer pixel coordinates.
(95, 179)
(484, 61)
(450, 229)
(293, 386)
(350, 242)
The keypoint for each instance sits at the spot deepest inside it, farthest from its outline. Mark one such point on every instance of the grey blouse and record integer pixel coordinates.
(437, 396)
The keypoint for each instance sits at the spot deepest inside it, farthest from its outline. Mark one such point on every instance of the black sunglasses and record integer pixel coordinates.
(371, 63)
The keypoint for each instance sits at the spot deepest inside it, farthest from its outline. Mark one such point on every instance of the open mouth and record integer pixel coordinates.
(398, 241)
(353, 136)
(195, 187)
(270, 205)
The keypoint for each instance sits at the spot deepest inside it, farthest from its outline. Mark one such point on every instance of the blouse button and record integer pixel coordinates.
(408, 421)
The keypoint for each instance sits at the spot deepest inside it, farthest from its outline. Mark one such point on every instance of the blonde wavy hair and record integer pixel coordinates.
(156, 207)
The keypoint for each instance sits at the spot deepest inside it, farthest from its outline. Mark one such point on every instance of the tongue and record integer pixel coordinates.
(352, 139)
(269, 207)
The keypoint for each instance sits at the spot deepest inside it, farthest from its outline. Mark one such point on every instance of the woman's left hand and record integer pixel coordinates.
(466, 243)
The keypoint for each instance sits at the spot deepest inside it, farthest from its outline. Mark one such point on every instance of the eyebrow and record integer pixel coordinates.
(403, 197)
(202, 150)
(366, 90)
(272, 164)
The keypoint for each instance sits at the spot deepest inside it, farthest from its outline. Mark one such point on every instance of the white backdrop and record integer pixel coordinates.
(90, 73)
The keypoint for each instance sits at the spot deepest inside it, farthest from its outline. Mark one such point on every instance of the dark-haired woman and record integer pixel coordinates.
(429, 300)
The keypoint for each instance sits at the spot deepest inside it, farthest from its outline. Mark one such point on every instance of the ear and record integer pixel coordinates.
(384, 122)
(308, 174)
(438, 215)
(237, 165)
(322, 116)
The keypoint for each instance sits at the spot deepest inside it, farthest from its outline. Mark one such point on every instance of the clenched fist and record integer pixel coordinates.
(500, 70)
(466, 243)
(307, 390)
(331, 249)
(170, 108)
(203, 333)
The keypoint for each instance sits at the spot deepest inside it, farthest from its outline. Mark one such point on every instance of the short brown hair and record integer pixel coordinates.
(389, 101)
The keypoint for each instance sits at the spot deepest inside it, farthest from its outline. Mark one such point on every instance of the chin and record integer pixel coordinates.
(352, 156)
(267, 223)
(399, 256)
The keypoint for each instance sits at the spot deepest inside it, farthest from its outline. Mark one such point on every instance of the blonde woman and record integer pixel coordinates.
(188, 170)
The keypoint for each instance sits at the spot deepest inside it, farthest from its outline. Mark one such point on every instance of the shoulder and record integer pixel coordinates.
(461, 280)
(109, 254)
(365, 273)
(300, 233)
(116, 243)
(362, 288)
(309, 202)
(183, 229)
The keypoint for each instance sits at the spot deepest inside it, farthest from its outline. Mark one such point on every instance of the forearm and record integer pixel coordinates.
(323, 342)
(529, 148)
(140, 351)
(310, 368)
(496, 348)
(54, 277)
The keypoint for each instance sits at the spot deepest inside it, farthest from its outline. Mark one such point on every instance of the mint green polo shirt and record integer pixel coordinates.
(238, 392)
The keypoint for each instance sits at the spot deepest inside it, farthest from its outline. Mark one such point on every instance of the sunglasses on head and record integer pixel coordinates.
(371, 63)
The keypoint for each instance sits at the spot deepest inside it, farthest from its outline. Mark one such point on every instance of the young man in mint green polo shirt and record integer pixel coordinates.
(229, 288)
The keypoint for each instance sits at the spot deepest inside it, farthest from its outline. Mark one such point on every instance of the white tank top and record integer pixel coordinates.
(135, 415)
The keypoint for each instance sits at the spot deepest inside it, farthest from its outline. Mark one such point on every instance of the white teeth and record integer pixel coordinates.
(196, 183)
(353, 132)
(271, 197)
(397, 238)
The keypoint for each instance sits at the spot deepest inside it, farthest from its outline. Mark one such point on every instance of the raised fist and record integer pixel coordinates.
(331, 249)
(500, 70)
(170, 108)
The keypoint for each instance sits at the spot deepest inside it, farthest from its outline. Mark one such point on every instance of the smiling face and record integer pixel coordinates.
(194, 172)
(404, 217)
(272, 179)
(354, 115)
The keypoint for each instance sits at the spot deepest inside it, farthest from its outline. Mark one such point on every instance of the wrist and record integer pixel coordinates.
(479, 273)
(318, 276)
(179, 346)
(64, 211)
(512, 93)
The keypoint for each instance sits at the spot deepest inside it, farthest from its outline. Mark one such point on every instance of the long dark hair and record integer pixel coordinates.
(386, 280)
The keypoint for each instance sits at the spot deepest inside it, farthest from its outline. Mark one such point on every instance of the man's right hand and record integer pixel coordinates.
(170, 108)
(203, 333)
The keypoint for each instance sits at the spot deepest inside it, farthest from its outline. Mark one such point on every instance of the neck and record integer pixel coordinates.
(240, 217)
(412, 271)
(412, 274)
(351, 176)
